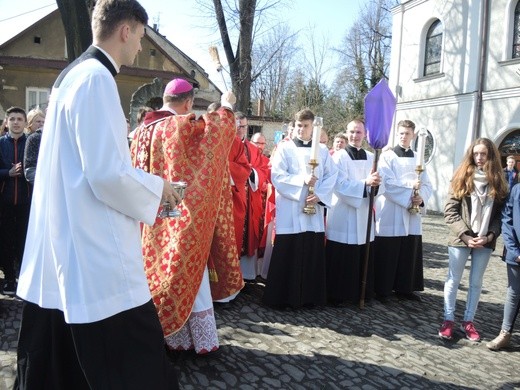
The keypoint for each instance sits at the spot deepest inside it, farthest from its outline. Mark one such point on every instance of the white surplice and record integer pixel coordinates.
(83, 250)
(347, 219)
(290, 166)
(394, 197)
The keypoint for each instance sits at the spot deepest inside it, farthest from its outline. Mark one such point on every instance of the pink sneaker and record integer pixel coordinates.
(469, 329)
(446, 330)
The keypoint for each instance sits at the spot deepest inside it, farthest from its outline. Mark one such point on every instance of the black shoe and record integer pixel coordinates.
(176, 354)
(409, 296)
(261, 280)
(336, 303)
(210, 354)
(222, 305)
(9, 288)
(382, 298)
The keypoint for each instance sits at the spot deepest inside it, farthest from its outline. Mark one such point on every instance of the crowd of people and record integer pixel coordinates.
(102, 264)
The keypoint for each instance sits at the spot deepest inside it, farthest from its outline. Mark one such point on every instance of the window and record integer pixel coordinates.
(36, 97)
(252, 129)
(433, 49)
(516, 32)
(510, 144)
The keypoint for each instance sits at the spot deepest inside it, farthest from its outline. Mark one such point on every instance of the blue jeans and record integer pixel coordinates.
(458, 258)
(512, 298)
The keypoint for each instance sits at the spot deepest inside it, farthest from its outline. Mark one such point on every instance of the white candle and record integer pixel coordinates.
(316, 132)
(421, 143)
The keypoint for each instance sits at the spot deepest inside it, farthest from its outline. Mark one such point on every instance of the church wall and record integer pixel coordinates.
(444, 122)
(409, 59)
(446, 103)
(451, 127)
(501, 114)
(502, 71)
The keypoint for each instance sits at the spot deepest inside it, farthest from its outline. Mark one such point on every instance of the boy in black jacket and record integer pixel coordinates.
(15, 198)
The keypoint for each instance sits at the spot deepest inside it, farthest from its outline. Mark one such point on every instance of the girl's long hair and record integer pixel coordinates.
(462, 182)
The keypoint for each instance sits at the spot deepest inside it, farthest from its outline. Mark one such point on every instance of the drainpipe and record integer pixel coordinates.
(484, 33)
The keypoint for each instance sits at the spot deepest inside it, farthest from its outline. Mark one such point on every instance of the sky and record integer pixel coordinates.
(187, 28)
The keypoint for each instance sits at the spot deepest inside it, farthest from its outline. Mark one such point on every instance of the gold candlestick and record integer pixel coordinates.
(414, 209)
(310, 208)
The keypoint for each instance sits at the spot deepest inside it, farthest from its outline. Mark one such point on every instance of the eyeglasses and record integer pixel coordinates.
(241, 126)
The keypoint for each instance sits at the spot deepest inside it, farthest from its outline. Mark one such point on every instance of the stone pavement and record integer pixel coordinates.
(390, 346)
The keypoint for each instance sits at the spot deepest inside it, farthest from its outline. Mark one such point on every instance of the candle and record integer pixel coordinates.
(421, 143)
(315, 146)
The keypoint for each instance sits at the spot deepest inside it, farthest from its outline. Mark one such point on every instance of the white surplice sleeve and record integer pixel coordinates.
(327, 175)
(105, 157)
(286, 175)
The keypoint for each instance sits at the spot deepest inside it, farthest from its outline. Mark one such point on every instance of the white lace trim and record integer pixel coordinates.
(199, 333)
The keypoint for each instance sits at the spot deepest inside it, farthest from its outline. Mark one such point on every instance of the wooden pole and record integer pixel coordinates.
(367, 240)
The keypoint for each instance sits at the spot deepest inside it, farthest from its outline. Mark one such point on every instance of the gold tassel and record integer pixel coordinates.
(213, 277)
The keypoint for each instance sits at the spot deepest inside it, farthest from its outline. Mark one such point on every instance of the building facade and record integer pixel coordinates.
(455, 71)
(32, 59)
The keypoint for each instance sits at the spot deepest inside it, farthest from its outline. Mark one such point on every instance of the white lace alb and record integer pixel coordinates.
(199, 333)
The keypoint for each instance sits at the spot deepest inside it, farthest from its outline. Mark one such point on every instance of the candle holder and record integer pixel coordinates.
(414, 209)
(310, 208)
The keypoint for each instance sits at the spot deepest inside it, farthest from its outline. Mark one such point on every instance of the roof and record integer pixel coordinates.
(11, 28)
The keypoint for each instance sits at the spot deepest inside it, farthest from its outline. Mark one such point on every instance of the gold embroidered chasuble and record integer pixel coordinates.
(177, 250)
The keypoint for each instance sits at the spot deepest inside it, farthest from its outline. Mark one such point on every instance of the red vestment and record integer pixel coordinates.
(255, 204)
(270, 213)
(239, 170)
(176, 250)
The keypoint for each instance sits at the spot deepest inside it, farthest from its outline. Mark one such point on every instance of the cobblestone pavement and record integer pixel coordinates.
(390, 346)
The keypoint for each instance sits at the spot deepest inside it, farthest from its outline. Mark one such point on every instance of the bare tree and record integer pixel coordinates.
(377, 38)
(244, 15)
(365, 54)
(75, 15)
(317, 55)
(271, 69)
(239, 61)
(307, 86)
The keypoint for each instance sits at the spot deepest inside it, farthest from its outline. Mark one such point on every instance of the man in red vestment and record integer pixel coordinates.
(239, 170)
(257, 179)
(179, 147)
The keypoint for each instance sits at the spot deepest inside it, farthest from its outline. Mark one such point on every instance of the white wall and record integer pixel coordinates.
(446, 103)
